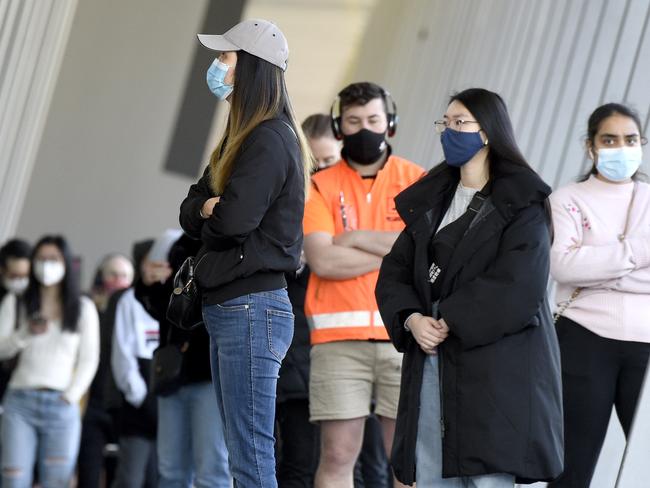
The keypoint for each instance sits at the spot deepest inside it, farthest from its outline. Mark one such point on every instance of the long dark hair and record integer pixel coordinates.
(70, 295)
(259, 94)
(490, 111)
(593, 126)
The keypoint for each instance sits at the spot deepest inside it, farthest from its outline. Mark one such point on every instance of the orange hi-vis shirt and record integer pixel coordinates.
(341, 200)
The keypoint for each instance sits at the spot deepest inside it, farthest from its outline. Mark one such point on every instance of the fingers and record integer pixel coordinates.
(431, 338)
(442, 325)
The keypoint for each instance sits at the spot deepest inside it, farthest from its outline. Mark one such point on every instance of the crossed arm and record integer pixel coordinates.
(347, 255)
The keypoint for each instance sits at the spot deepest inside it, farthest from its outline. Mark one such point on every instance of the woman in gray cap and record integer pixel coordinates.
(247, 210)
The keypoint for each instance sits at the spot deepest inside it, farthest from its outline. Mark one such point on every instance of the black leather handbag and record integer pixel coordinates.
(184, 309)
(166, 366)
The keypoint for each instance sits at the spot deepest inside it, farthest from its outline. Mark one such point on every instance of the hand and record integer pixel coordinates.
(347, 238)
(575, 245)
(208, 207)
(428, 332)
(155, 272)
(37, 326)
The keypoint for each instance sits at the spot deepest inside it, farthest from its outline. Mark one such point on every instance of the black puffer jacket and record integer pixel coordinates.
(500, 365)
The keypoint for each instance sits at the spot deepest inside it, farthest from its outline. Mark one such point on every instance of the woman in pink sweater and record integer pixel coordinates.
(600, 259)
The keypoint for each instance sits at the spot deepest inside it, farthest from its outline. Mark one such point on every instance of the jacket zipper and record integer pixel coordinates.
(442, 412)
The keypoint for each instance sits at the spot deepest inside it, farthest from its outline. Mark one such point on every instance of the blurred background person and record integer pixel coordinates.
(114, 273)
(57, 343)
(325, 148)
(14, 274)
(601, 261)
(14, 267)
(190, 440)
(99, 429)
(135, 337)
(14, 278)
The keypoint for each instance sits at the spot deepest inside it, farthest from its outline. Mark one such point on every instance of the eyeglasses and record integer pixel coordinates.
(455, 124)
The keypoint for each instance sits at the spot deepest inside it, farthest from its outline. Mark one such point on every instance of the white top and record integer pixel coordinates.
(458, 206)
(135, 337)
(57, 359)
(588, 218)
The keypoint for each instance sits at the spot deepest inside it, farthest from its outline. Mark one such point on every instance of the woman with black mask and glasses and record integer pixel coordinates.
(463, 295)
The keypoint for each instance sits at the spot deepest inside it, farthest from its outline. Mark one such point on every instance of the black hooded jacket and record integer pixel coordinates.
(500, 366)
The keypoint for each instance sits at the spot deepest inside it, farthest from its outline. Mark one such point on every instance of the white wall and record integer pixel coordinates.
(98, 175)
(552, 61)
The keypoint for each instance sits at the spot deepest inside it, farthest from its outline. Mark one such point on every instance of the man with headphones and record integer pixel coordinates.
(350, 223)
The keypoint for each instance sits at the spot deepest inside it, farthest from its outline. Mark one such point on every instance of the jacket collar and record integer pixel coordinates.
(512, 189)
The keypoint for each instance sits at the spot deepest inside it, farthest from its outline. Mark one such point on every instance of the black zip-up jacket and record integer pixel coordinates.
(501, 393)
(254, 235)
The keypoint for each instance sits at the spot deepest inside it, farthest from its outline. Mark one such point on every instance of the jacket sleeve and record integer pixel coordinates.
(12, 340)
(637, 281)
(123, 356)
(395, 293)
(190, 216)
(257, 178)
(504, 298)
(580, 265)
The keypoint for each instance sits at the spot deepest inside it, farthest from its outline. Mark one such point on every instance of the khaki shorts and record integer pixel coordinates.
(345, 375)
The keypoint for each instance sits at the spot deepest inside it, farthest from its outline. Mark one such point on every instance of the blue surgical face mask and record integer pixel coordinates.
(619, 163)
(215, 76)
(460, 147)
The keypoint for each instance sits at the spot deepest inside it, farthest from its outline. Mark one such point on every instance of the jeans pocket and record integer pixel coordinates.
(234, 305)
(280, 332)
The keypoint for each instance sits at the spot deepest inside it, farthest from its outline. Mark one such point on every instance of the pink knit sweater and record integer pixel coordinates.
(588, 217)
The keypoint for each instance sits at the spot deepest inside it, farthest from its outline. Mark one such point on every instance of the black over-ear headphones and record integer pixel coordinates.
(391, 114)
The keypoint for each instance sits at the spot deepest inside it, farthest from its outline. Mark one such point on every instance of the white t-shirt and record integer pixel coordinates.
(459, 204)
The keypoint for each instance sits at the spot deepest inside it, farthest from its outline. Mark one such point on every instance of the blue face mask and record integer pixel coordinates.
(215, 76)
(619, 163)
(460, 147)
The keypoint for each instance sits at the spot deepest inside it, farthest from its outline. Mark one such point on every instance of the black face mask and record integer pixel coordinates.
(364, 147)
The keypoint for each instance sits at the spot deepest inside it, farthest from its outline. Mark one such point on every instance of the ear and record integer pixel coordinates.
(483, 137)
(590, 150)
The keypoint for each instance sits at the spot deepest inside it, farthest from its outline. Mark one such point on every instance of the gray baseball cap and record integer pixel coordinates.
(258, 37)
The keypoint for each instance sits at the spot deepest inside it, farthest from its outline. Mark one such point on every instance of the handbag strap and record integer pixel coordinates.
(566, 304)
(623, 236)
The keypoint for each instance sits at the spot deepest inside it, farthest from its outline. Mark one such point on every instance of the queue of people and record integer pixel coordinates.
(411, 323)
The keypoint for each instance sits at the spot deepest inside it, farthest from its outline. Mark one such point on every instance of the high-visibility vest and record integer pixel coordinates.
(340, 310)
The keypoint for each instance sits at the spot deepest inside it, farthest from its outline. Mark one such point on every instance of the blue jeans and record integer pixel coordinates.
(191, 444)
(249, 337)
(39, 427)
(428, 450)
(137, 465)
